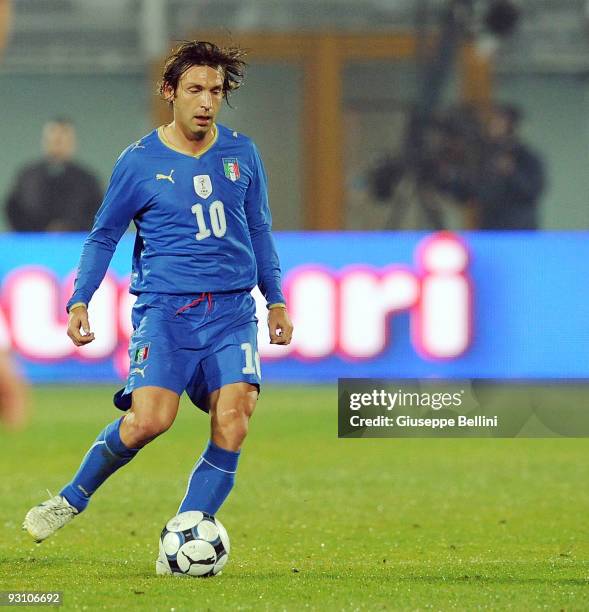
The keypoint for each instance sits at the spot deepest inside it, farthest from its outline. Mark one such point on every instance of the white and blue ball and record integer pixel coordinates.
(193, 544)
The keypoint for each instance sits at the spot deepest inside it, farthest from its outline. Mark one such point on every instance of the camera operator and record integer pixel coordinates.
(512, 176)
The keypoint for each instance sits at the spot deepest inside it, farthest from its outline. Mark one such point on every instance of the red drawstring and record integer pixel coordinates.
(208, 295)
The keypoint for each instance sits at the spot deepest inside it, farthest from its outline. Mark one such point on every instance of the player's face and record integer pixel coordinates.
(197, 100)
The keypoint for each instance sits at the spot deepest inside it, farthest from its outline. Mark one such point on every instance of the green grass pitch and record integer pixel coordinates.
(315, 522)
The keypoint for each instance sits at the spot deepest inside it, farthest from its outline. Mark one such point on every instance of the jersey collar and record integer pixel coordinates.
(169, 145)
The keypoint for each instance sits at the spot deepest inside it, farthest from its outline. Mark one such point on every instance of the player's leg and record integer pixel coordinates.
(152, 412)
(231, 408)
(213, 476)
(225, 382)
(151, 395)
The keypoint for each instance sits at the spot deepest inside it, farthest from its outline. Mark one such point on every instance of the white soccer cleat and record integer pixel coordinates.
(46, 518)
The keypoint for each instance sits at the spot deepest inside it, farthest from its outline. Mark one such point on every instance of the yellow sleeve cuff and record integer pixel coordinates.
(76, 305)
(277, 305)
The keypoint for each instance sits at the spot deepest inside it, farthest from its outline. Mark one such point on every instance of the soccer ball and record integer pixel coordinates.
(193, 544)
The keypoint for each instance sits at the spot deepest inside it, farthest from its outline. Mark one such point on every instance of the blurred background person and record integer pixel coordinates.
(512, 178)
(54, 193)
(14, 411)
(5, 19)
(14, 406)
(476, 161)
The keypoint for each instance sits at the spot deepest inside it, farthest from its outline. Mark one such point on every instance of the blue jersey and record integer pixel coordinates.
(203, 222)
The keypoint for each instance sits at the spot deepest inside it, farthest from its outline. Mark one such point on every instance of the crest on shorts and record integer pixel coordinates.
(141, 353)
(203, 185)
(231, 168)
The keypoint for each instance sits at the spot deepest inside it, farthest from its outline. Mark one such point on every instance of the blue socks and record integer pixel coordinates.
(106, 456)
(209, 484)
(211, 480)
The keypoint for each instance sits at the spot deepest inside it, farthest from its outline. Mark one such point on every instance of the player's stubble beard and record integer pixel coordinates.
(200, 136)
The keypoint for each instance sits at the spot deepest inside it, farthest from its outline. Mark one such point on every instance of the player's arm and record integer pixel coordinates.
(259, 222)
(112, 219)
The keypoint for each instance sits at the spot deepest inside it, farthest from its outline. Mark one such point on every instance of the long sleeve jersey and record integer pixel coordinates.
(203, 222)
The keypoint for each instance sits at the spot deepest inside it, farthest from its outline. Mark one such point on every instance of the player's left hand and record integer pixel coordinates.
(280, 326)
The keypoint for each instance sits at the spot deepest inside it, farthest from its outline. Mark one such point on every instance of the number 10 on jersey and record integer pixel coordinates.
(217, 220)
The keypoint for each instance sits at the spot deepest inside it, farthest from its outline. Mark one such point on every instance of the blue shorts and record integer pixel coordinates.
(193, 344)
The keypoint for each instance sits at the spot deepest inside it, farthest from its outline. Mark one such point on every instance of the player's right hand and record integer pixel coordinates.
(78, 327)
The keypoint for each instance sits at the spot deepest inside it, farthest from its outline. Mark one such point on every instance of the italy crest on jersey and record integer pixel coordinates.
(141, 353)
(202, 185)
(231, 168)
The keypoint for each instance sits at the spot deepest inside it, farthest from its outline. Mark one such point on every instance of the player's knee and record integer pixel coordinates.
(230, 434)
(150, 417)
(245, 405)
(155, 424)
(232, 422)
(236, 425)
(141, 428)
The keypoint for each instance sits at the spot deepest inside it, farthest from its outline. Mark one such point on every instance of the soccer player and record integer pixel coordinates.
(196, 192)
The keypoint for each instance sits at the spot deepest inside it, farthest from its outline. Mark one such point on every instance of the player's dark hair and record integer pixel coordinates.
(202, 53)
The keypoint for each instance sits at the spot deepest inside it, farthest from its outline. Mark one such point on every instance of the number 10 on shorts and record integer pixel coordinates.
(252, 360)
